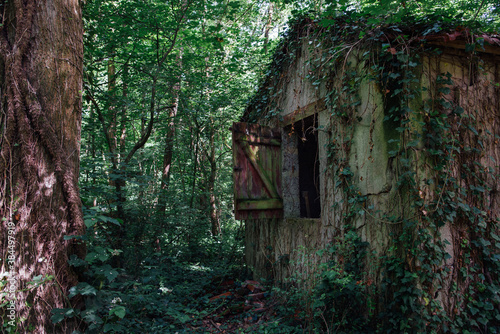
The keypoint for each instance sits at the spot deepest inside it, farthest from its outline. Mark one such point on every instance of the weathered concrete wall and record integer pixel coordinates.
(476, 90)
(272, 245)
(276, 248)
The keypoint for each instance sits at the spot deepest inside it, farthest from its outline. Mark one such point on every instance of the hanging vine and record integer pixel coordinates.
(439, 271)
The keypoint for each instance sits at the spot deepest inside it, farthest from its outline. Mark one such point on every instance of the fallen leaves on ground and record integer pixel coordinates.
(237, 306)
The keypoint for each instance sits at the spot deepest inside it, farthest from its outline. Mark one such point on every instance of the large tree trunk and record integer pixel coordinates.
(41, 51)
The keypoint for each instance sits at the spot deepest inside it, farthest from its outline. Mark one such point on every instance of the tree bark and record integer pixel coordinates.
(212, 159)
(167, 159)
(169, 144)
(41, 51)
(118, 179)
(214, 212)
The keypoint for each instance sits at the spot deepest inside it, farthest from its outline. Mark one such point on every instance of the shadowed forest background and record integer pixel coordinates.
(163, 81)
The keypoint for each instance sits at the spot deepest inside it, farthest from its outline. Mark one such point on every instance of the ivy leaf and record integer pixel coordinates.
(327, 22)
(488, 306)
(470, 47)
(113, 327)
(107, 272)
(83, 289)
(98, 254)
(60, 313)
(75, 261)
(119, 311)
(473, 310)
(90, 316)
(109, 220)
(89, 222)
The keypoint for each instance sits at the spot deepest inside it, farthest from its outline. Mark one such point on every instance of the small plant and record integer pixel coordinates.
(328, 297)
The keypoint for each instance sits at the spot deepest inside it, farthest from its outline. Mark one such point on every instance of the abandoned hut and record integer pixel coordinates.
(377, 153)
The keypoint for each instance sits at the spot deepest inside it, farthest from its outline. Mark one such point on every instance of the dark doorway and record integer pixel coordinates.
(310, 206)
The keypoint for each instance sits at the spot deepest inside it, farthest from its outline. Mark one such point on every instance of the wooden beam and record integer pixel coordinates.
(461, 46)
(303, 112)
(261, 141)
(260, 204)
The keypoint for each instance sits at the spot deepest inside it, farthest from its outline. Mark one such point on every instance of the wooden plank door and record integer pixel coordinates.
(257, 171)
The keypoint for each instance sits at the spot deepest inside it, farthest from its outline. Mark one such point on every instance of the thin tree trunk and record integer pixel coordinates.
(214, 214)
(169, 144)
(195, 168)
(167, 159)
(123, 121)
(41, 52)
(117, 180)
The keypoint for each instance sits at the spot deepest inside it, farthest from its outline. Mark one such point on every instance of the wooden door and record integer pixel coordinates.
(257, 171)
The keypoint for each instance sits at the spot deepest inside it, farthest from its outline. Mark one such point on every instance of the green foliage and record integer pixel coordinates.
(165, 295)
(344, 290)
(146, 268)
(417, 269)
(175, 74)
(328, 297)
(475, 13)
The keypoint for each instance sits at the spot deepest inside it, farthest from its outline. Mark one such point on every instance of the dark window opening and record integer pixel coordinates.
(310, 206)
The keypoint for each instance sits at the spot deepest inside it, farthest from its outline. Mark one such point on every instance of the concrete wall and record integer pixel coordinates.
(272, 246)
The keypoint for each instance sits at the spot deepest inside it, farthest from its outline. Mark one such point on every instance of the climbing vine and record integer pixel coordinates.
(439, 270)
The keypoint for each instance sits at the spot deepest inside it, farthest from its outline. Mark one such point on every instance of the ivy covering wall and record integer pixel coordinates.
(412, 241)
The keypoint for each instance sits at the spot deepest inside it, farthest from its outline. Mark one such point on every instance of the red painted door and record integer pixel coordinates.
(257, 171)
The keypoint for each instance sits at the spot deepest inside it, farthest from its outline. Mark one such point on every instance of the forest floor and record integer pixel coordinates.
(237, 306)
(191, 298)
